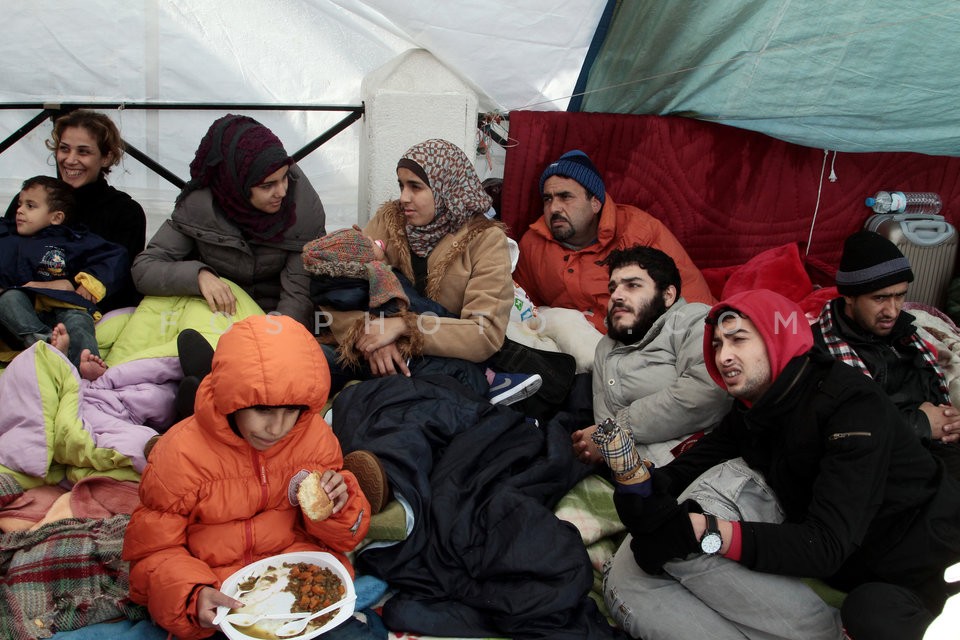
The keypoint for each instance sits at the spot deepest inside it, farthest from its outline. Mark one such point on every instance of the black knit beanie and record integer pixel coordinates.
(869, 263)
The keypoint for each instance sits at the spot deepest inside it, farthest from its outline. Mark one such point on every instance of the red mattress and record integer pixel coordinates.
(726, 193)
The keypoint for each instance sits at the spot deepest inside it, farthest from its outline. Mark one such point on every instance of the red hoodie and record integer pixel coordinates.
(786, 334)
(780, 322)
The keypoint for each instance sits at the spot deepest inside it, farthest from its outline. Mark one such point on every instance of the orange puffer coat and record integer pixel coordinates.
(556, 276)
(211, 503)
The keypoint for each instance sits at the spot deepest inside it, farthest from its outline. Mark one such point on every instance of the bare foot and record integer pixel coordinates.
(60, 339)
(91, 366)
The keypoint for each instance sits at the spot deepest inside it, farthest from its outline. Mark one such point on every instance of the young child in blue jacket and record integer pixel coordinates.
(52, 276)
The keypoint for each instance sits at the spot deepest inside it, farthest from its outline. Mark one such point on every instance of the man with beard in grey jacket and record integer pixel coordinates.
(648, 371)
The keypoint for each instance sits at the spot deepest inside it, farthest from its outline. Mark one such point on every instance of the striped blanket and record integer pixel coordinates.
(63, 576)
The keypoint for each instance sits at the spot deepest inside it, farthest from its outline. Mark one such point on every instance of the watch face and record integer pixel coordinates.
(711, 543)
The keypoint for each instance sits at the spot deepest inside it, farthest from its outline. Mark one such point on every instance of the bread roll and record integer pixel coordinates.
(314, 501)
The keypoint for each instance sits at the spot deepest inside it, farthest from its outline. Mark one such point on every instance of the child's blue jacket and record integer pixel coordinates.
(60, 252)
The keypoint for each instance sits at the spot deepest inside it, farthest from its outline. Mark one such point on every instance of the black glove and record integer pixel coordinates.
(645, 514)
(672, 537)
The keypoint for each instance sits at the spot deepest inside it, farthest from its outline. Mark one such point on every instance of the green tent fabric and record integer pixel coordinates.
(863, 75)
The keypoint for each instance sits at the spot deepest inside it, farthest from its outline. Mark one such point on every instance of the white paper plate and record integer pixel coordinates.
(278, 601)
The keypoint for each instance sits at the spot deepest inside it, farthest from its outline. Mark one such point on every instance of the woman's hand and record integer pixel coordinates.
(332, 482)
(380, 332)
(386, 361)
(208, 599)
(217, 293)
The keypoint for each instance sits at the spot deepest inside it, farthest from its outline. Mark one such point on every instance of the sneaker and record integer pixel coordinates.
(508, 388)
(371, 476)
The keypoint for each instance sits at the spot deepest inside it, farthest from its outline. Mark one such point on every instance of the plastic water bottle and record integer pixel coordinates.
(905, 202)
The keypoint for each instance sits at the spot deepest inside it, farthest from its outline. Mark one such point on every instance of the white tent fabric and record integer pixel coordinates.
(278, 52)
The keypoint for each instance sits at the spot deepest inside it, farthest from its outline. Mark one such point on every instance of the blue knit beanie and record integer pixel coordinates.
(576, 165)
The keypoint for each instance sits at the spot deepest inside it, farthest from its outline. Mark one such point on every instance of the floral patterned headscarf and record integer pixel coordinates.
(457, 191)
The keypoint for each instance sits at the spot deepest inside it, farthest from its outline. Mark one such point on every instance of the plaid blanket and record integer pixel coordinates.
(63, 576)
(10, 489)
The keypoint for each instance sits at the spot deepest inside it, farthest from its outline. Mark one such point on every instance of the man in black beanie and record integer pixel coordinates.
(867, 328)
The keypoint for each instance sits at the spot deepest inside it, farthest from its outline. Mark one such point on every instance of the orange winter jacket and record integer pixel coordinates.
(211, 503)
(556, 276)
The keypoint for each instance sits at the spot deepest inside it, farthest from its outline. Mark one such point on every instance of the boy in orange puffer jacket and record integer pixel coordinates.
(220, 489)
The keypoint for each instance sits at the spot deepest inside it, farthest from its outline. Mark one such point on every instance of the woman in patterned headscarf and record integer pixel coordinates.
(436, 234)
(245, 215)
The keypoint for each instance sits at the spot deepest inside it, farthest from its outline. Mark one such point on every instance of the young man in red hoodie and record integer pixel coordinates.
(811, 474)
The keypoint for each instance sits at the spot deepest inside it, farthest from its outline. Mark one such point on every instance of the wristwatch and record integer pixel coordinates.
(710, 541)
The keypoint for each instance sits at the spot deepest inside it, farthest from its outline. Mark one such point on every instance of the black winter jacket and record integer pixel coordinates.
(863, 499)
(894, 363)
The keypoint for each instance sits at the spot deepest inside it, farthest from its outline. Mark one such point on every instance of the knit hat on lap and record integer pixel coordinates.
(869, 263)
(576, 165)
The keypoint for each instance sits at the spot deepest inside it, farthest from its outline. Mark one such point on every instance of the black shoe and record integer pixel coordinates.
(186, 397)
(196, 354)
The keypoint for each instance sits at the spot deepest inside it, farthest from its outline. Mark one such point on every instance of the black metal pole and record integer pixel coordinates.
(355, 112)
(158, 168)
(330, 133)
(13, 138)
(184, 106)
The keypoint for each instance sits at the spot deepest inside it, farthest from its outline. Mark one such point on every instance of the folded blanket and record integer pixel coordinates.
(30, 507)
(97, 497)
(56, 426)
(781, 269)
(943, 335)
(64, 576)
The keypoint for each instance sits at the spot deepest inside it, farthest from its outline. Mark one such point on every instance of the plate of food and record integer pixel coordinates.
(279, 594)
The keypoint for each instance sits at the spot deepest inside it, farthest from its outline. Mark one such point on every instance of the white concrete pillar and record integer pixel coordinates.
(410, 99)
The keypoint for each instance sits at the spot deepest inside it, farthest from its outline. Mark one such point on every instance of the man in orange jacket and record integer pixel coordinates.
(581, 225)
